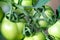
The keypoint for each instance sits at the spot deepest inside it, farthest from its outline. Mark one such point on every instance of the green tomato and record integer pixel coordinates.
(20, 27)
(43, 23)
(1, 14)
(54, 30)
(28, 38)
(16, 1)
(8, 29)
(39, 36)
(26, 3)
(49, 13)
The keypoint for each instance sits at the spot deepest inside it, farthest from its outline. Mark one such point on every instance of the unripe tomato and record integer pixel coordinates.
(26, 3)
(54, 30)
(28, 38)
(39, 36)
(8, 29)
(16, 1)
(43, 23)
(49, 13)
(20, 26)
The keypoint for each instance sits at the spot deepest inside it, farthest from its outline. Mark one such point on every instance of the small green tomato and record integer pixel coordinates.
(39, 36)
(43, 23)
(49, 13)
(26, 3)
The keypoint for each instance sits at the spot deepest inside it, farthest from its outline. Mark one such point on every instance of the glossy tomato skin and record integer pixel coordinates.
(39, 36)
(20, 26)
(54, 30)
(8, 29)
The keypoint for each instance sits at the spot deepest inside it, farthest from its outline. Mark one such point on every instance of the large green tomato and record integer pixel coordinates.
(39, 36)
(55, 29)
(26, 3)
(28, 38)
(8, 29)
(20, 27)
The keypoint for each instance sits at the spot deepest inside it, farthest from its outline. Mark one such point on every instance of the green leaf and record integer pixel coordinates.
(40, 3)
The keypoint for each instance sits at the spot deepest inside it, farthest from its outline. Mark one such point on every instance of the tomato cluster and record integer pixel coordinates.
(29, 23)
